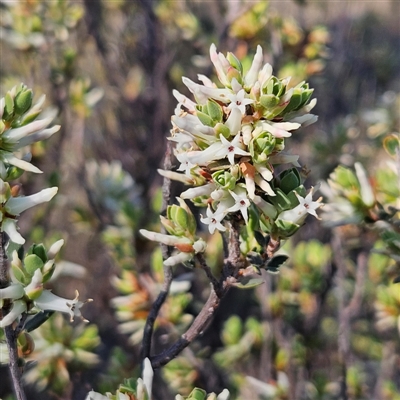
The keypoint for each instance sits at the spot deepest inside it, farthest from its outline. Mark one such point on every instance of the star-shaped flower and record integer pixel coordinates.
(306, 206)
(242, 203)
(213, 220)
(238, 100)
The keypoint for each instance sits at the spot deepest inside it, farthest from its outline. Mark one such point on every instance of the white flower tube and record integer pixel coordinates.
(49, 301)
(16, 205)
(18, 307)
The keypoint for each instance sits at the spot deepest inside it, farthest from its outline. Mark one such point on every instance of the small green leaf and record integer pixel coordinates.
(205, 119)
(247, 282)
(214, 111)
(40, 251)
(32, 262)
(8, 107)
(20, 275)
(197, 394)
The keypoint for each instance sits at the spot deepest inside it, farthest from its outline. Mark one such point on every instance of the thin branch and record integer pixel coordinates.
(10, 334)
(11, 340)
(232, 265)
(199, 325)
(204, 266)
(162, 296)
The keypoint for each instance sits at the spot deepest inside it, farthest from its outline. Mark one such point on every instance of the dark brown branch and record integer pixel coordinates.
(204, 266)
(199, 325)
(232, 265)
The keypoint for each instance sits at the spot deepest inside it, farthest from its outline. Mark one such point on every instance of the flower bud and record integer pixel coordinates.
(262, 146)
(235, 63)
(23, 101)
(224, 179)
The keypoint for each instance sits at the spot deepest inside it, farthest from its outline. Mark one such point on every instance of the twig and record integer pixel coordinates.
(204, 266)
(199, 324)
(162, 296)
(10, 334)
(232, 265)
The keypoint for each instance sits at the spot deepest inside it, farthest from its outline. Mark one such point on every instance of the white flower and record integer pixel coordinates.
(13, 291)
(16, 205)
(218, 151)
(148, 374)
(279, 129)
(203, 93)
(9, 226)
(18, 307)
(184, 101)
(186, 165)
(242, 203)
(252, 74)
(238, 100)
(213, 220)
(49, 301)
(221, 65)
(204, 190)
(169, 240)
(298, 214)
(234, 121)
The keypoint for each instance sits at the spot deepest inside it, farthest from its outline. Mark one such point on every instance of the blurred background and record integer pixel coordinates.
(109, 68)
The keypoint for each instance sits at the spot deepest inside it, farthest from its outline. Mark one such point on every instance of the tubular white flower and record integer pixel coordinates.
(203, 93)
(253, 72)
(49, 301)
(169, 240)
(234, 121)
(16, 205)
(9, 226)
(221, 64)
(178, 258)
(175, 176)
(185, 101)
(148, 375)
(298, 214)
(14, 291)
(37, 137)
(54, 249)
(14, 135)
(264, 75)
(18, 307)
(279, 129)
(9, 158)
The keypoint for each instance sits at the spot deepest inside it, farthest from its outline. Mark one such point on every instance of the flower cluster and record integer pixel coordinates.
(19, 128)
(27, 292)
(231, 138)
